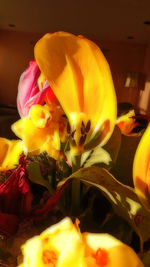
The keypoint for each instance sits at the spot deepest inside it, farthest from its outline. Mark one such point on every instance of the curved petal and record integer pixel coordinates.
(78, 250)
(40, 130)
(105, 250)
(38, 98)
(141, 169)
(27, 83)
(10, 152)
(81, 79)
(127, 123)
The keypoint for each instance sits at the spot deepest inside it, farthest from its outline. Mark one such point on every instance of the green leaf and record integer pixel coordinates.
(113, 145)
(35, 176)
(123, 198)
(106, 156)
(98, 155)
(122, 169)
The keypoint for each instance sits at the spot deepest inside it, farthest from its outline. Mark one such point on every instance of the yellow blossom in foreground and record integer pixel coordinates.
(80, 77)
(62, 245)
(41, 130)
(10, 151)
(141, 169)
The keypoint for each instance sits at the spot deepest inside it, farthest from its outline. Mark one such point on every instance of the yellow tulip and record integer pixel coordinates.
(62, 245)
(40, 130)
(10, 151)
(80, 77)
(141, 169)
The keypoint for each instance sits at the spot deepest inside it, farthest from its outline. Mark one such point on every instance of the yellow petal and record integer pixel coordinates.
(10, 152)
(34, 129)
(109, 251)
(40, 116)
(62, 240)
(81, 79)
(40, 130)
(62, 245)
(141, 169)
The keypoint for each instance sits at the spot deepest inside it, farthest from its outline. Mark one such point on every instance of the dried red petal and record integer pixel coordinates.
(15, 197)
(51, 202)
(8, 224)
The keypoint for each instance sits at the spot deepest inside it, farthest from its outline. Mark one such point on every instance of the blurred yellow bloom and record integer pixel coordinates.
(126, 123)
(80, 77)
(10, 151)
(141, 169)
(62, 245)
(40, 130)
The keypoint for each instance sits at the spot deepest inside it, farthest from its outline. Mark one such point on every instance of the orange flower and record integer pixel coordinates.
(80, 77)
(141, 169)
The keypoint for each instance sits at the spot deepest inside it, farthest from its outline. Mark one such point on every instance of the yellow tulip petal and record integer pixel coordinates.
(60, 245)
(10, 152)
(81, 79)
(107, 251)
(42, 129)
(40, 116)
(18, 127)
(36, 128)
(141, 169)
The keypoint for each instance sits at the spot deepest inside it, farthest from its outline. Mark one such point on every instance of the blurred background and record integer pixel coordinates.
(121, 28)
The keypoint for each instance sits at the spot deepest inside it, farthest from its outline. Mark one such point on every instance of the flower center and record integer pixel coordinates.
(101, 257)
(49, 258)
(78, 130)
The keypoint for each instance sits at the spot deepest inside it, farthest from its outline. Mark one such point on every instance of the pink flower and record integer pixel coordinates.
(28, 90)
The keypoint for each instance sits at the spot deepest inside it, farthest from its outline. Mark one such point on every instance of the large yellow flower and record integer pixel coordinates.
(80, 77)
(141, 169)
(62, 245)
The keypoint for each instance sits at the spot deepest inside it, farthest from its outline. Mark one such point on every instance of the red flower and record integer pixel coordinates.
(15, 198)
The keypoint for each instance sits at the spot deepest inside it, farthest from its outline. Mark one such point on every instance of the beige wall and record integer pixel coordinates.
(16, 50)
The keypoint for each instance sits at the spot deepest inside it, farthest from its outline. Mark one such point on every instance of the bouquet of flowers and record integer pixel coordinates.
(72, 165)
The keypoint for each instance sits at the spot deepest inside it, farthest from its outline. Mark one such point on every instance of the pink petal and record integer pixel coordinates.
(38, 98)
(27, 83)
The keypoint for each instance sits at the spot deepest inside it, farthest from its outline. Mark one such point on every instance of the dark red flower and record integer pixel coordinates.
(15, 198)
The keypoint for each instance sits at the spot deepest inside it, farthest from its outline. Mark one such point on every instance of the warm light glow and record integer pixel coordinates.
(63, 245)
(80, 77)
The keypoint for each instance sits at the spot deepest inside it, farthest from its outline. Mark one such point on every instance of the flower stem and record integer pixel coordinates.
(76, 187)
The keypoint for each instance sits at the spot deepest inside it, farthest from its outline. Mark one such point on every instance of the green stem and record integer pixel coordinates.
(76, 188)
